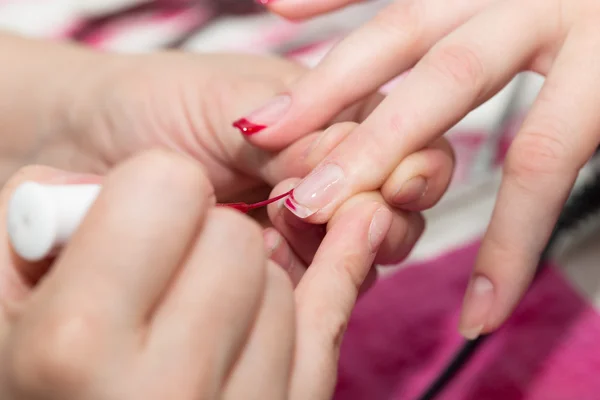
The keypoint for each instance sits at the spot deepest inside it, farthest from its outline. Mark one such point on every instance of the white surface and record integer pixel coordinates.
(41, 218)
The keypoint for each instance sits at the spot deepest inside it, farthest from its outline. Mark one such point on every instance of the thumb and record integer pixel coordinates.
(328, 291)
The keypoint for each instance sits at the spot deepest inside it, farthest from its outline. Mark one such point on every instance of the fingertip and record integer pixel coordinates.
(379, 227)
(420, 180)
(477, 305)
(405, 231)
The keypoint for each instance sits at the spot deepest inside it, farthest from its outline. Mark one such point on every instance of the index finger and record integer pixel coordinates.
(402, 32)
(463, 70)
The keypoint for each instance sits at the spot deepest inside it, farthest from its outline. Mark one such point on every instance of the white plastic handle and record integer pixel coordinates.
(42, 218)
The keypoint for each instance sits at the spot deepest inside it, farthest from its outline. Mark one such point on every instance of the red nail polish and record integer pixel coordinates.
(289, 203)
(244, 208)
(248, 128)
(265, 116)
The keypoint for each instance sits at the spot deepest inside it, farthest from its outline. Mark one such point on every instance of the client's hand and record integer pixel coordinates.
(167, 297)
(123, 104)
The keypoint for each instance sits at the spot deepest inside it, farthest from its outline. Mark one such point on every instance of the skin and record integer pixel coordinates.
(459, 54)
(100, 115)
(236, 330)
(102, 108)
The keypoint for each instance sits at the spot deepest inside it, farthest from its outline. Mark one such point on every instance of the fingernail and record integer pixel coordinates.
(316, 191)
(265, 116)
(272, 241)
(412, 190)
(380, 225)
(477, 305)
(264, 2)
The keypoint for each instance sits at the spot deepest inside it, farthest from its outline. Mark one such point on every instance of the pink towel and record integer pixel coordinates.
(404, 331)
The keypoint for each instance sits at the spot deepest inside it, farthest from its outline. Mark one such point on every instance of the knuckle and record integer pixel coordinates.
(57, 354)
(244, 234)
(170, 170)
(352, 268)
(459, 65)
(402, 19)
(537, 153)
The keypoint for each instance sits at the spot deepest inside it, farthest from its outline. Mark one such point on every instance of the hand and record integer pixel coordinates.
(124, 104)
(131, 311)
(463, 52)
(293, 242)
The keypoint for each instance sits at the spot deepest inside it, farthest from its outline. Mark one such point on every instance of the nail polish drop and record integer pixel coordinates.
(248, 128)
(244, 207)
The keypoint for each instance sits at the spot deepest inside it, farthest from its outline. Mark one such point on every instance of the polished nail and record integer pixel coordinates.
(316, 191)
(380, 225)
(265, 116)
(477, 305)
(412, 190)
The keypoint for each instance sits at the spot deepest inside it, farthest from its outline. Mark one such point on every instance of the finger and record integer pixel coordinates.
(421, 179)
(206, 316)
(264, 369)
(462, 70)
(303, 238)
(283, 255)
(17, 276)
(557, 138)
(298, 10)
(328, 291)
(297, 160)
(405, 228)
(119, 261)
(403, 32)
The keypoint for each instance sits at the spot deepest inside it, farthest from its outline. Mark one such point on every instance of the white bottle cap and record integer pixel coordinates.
(42, 218)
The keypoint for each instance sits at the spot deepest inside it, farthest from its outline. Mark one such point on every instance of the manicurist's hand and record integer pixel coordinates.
(461, 53)
(130, 310)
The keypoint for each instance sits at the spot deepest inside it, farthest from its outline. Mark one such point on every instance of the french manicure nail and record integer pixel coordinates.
(412, 190)
(380, 225)
(316, 191)
(265, 116)
(477, 305)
